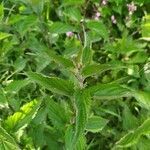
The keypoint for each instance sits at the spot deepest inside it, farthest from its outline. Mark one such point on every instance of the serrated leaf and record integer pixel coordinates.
(7, 140)
(1, 11)
(98, 27)
(87, 56)
(137, 58)
(93, 69)
(20, 64)
(72, 2)
(146, 28)
(143, 144)
(3, 99)
(81, 144)
(60, 59)
(133, 136)
(53, 84)
(23, 117)
(109, 91)
(16, 85)
(38, 137)
(81, 114)
(52, 137)
(69, 137)
(4, 35)
(60, 27)
(73, 13)
(56, 113)
(37, 5)
(143, 97)
(25, 23)
(129, 120)
(96, 124)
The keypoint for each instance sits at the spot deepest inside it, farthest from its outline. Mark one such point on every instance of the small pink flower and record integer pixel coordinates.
(97, 16)
(104, 2)
(131, 8)
(69, 34)
(113, 19)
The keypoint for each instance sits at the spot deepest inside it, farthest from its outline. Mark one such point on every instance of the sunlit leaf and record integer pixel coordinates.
(23, 117)
(133, 136)
(4, 35)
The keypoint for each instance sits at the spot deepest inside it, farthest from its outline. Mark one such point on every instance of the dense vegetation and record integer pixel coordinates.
(74, 75)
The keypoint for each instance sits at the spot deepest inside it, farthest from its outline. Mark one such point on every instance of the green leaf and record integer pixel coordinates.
(81, 144)
(37, 5)
(93, 69)
(146, 28)
(137, 58)
(3, 99)
(53, 84)
(98, 27)
(92, 37)
(73, 13)
(143, 144)
(4, 35)
(69, 137)
(23, 117)
(143, 97)
(72, 2)
(7, 141)
(52, 138)
(87, 56)
(109, 91)
(20, 64)
(59, 28)
(128, 46)
(25, 24)
(60, 59)
(1, 11)
(57, 113)
(96, 124)
(38, 137)
(147, 71)
(16, 85)
(81, 114)
(129, 120)
(133, 136)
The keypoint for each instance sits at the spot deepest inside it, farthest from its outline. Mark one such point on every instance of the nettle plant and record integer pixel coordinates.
(75, 75)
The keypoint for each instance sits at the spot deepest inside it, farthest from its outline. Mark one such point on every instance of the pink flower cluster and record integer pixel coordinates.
(131, 8)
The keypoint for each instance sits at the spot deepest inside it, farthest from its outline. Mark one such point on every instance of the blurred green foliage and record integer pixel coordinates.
(74, 75)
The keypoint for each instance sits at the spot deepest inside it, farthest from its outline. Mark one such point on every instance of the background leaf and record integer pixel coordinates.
(96, 124)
